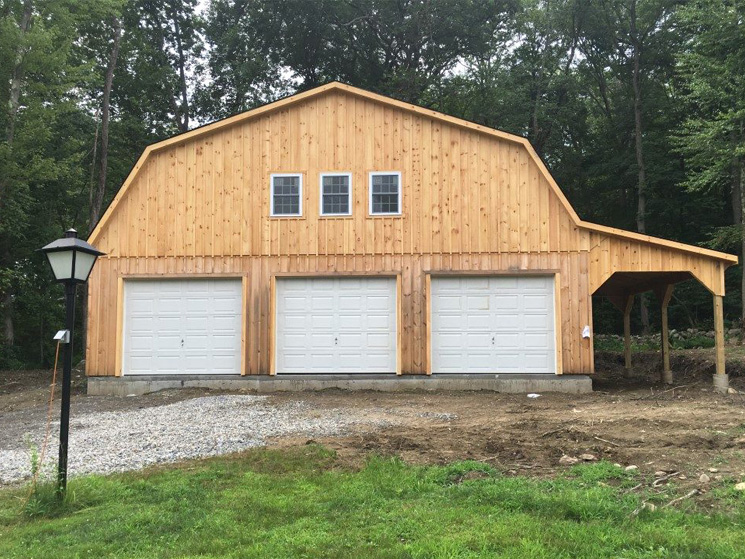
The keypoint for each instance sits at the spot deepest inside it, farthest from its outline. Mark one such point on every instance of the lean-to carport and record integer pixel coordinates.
(624, 264)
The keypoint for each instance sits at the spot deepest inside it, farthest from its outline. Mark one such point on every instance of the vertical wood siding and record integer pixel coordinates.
(471, 201)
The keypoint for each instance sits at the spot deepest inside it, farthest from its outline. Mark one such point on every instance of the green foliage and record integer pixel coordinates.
(559, 73)
(299, 502)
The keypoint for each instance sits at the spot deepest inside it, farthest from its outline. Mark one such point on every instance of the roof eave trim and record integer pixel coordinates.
(730, 259)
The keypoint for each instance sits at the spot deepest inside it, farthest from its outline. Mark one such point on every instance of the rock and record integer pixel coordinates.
(682, 476)
(568, 460)
(660, 473)
(741, 440)
(617, 465)
(703, 478)
(651, 507)
(731, 390)
(631, 468)
(713, 470)
(740, 486)
(588, 457)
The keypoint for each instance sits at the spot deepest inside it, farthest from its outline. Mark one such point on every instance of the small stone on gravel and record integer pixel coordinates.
(631, 468)
(703, 478)
(740, 486)
(568, 460)
(588, 457)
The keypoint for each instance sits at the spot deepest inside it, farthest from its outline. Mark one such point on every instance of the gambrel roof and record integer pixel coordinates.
(726, 259)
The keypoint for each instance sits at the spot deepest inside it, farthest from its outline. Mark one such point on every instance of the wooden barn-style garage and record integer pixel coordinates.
(338, 231)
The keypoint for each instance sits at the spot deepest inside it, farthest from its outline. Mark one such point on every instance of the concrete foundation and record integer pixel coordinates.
(721, 383)
(511, 383)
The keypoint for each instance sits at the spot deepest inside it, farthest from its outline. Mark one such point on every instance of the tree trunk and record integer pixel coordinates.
(98, 197)
(14, 103)
(740, 184)
(92, 180)
(183, 122)
(641, 185)
(17, 78)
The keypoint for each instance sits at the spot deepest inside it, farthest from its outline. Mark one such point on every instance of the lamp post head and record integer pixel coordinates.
(71, 258)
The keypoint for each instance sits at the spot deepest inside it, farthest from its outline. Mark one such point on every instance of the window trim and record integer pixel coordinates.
(271, 194)
(320, 194)
(371, 174)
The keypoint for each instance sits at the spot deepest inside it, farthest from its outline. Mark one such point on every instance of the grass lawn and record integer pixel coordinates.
(299, 503)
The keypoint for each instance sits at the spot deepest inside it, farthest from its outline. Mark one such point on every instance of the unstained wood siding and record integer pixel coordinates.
(472, 201)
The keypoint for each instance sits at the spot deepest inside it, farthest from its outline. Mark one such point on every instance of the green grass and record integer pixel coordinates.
(299, 503)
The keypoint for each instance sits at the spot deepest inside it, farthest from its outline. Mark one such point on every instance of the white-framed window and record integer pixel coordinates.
(287, 194)
(385, 193)
(336, 193)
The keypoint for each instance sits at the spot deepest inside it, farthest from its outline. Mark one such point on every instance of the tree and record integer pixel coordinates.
(712, 138)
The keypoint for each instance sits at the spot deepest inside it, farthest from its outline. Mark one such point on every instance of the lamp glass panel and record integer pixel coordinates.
(83, 264)
(61, 262)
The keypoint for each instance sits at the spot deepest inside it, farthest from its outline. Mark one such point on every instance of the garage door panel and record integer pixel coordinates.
(322, 303)
(511, 340)
(509, 322)
(536, 341)
(294, 341)
(322, 322)
(537, 363)
(141, 343)
(294, 321)
(353, 325)
(193, 326)
(350, 303)
(294, 303)
(171, 305)
(320, 339)
(538, 322)
(451, 340)
(535, 302)
(169, 342)
(477, 340)
(477, 302)
(475, 322)
(476, 362)
(493, 324)
(167, 362)
(506, 302)
(451, 323)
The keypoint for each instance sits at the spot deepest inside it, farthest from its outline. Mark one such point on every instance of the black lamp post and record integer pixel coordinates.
(71, 260)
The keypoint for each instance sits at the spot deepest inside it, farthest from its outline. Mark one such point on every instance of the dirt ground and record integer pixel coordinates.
(686, 428)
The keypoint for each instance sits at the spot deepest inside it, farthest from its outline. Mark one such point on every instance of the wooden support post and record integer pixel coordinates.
(721, 379)
(664, 296)
(627, 335)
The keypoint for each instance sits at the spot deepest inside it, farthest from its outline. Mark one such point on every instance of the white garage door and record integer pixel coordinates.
(182, 327)
(336, 325)
(493, 325)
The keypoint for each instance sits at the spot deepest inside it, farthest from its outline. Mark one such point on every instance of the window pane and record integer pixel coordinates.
(335, 198)
(385, 194)
(286, 195)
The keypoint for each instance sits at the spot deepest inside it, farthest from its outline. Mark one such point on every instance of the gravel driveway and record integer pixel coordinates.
(117, 441)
